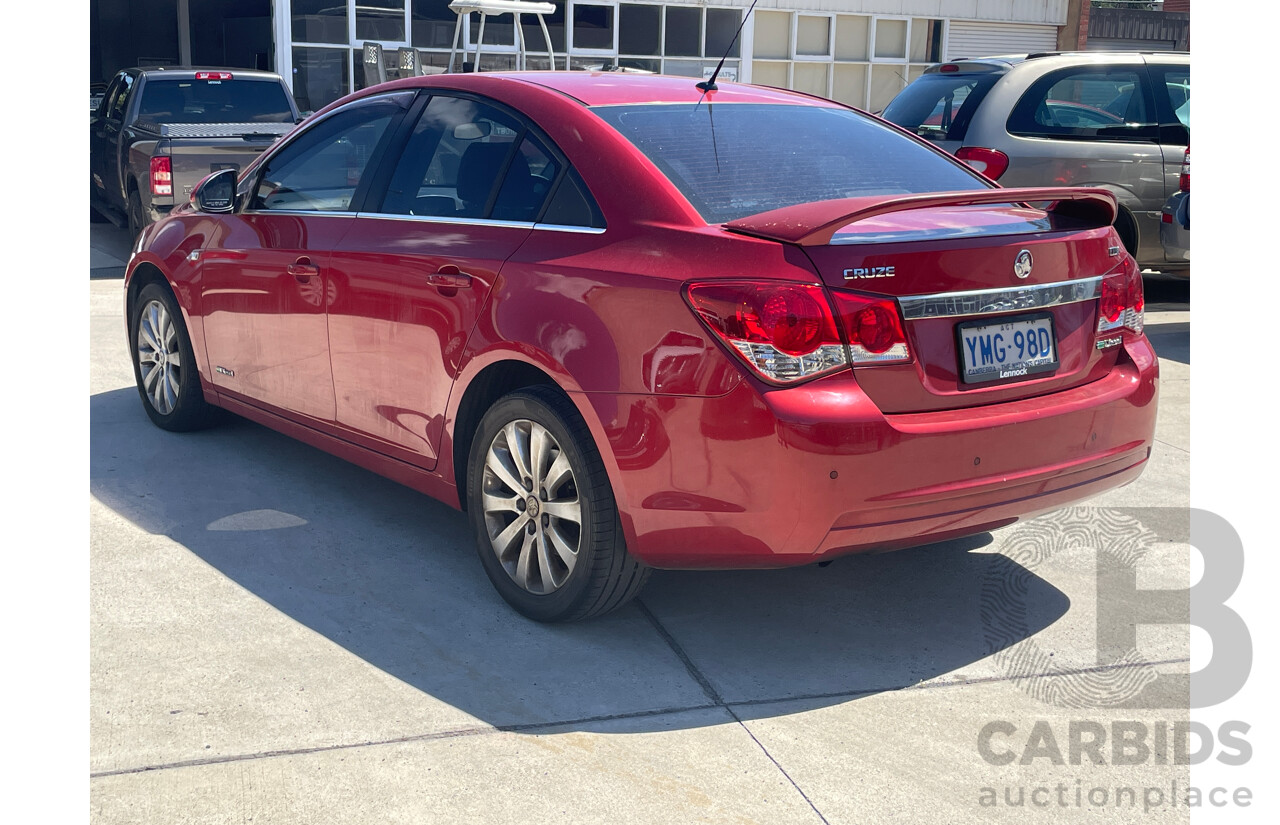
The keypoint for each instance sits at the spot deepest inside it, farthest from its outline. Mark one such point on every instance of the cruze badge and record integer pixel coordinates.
(868, 272)
(1022, 264)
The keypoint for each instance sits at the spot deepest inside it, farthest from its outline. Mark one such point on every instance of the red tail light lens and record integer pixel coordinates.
(785, 332)
(1114, 294)
(989, 162)
(213, 75)
(1122, 301)
(874, 327)
(161, 176)
(1184, 179)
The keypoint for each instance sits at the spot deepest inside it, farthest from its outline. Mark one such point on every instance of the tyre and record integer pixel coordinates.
(164, 365)
(137, 217)
(540, 503)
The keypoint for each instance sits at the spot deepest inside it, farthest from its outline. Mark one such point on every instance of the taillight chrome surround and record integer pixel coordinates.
(788, 332)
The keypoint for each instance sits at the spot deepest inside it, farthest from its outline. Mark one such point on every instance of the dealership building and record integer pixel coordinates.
(860, 52)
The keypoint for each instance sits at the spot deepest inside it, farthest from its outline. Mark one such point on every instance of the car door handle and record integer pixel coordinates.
(449, 276)
(302, 270)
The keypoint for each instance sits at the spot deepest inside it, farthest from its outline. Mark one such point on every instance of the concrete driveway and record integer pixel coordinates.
(278, 636)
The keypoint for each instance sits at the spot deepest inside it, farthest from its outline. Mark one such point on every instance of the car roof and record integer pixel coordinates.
(1005, 62)
(614, 88)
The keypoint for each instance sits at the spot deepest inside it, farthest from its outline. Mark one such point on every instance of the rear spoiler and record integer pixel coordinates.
(813, 224)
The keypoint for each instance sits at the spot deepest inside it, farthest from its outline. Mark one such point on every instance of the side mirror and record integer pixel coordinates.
(216, 193)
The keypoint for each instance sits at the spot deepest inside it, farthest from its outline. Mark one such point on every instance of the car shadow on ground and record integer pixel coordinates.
(391, 576)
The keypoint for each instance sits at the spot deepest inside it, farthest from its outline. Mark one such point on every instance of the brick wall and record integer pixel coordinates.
(1082, 35)
(1177, 5)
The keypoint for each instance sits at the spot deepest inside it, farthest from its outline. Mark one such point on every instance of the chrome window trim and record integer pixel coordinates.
(559, 227)
(552, 227)
(302, 213)
(995, 301)
(390, 216)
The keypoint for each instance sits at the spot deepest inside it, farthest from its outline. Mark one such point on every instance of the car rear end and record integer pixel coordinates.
(936, 364)
(940, 105)
(204, 121)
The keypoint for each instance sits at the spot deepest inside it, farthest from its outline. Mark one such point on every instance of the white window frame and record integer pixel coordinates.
(573, 49)
(795, 38)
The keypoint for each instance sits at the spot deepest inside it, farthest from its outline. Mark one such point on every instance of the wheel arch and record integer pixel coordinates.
(482, 391)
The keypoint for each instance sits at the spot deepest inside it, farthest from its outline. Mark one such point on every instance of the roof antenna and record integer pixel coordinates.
(709, 85)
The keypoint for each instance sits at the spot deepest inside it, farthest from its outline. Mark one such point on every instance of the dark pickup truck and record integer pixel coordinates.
(159, 132)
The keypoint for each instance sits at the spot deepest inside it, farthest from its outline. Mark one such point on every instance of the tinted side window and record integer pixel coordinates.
(321, 170)
(1173, 87)
(572, 205)
(1088, 103)
(527, 183)
(120, 95)
(940, 106)
(453, 160)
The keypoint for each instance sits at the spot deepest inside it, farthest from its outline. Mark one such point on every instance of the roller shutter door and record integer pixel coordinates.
(967, 38)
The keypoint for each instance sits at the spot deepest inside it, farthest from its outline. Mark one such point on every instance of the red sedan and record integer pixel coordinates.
(627, 324)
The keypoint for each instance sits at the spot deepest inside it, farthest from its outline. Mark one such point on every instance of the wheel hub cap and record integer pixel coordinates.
(532, 513)
(159, 364)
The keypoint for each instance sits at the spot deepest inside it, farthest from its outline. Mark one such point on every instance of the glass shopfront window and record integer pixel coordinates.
(319, 21)
(380, 20)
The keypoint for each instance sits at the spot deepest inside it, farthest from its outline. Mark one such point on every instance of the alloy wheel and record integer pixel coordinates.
(159, 357)
(532, 512)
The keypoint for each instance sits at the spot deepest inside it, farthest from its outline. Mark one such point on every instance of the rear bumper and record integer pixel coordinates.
(775, 478)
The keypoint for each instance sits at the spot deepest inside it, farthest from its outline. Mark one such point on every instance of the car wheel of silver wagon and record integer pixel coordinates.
(543, 511)
(164, 365)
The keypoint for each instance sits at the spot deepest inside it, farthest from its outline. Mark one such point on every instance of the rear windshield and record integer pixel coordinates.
(940, 106)
(737, 159)
(215, 101)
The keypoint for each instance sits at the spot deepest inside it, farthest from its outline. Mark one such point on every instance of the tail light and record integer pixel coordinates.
(161, 175)
(874, 327)
(1184, 179)
(990, 162)
(788, 332)
(1122, 302)
(213, 75)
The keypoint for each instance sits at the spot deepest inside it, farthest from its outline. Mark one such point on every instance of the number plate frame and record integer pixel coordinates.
(995, 377)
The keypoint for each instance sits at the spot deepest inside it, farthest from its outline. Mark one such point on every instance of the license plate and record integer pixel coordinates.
(1010, 348)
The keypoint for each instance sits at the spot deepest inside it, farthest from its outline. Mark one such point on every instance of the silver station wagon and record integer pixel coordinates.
(1116, 120)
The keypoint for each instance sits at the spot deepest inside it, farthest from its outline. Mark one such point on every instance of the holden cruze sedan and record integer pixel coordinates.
(625, 323)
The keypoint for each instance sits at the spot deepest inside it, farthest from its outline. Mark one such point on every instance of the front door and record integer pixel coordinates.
(265, 277)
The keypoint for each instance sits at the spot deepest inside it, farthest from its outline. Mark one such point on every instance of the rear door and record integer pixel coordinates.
(410, 278)
(266, 278)
(1172, 85)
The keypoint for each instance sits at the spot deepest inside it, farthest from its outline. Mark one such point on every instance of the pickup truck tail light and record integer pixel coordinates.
(162, 175)
(789, 332)
(213, 75)
(1122, 302)
(1184, 179)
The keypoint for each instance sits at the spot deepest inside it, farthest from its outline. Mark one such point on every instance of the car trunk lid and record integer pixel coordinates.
(965, 267)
